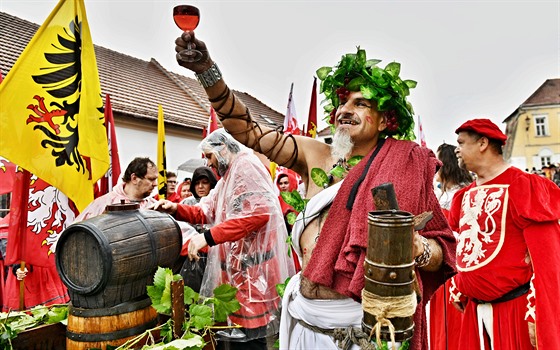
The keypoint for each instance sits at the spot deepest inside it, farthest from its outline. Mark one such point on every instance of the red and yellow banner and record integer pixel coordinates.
(51, 107)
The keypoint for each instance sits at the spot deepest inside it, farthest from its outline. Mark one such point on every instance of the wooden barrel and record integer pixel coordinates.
(98, 328)
(111, 258)
(389, 266)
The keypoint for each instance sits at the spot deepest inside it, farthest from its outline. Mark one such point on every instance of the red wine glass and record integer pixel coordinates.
(187, 17)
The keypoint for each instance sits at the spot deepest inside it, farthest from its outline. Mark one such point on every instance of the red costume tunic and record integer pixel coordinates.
(286, 208)
(501, 223)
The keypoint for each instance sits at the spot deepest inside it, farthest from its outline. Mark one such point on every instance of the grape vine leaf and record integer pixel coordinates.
(224, 302)
(201, 316)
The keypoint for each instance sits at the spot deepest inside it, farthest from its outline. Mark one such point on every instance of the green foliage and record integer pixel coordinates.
(281, 287)
(385, 345)
(319, 177)
(224, 302)
(12, 323)
(354, 160)
(383, 85)
(294, 200)
(322, 179)
(291, 217)
(290, 243)
(338, 171)
(160, 292)
(201, 316)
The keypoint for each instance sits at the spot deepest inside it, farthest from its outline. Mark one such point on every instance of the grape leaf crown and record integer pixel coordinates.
(383, 85)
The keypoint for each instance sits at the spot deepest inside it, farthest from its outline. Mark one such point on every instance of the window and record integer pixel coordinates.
(545, 161)
(541, 125)
(4, 204)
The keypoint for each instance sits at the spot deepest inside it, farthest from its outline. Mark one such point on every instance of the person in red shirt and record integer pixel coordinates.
(172, 195)
(246, 239)
(508, 279)
(183, 190)
(286, 182)
(171, 183)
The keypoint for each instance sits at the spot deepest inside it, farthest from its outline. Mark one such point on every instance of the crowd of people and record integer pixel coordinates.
(482, 239)
(486, 264)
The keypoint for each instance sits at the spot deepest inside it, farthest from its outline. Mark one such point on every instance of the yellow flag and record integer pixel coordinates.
(272, 169)
(162, 163)
(51, 116)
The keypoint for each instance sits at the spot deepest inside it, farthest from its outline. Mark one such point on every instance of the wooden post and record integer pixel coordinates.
(22, 286)
(178, 307)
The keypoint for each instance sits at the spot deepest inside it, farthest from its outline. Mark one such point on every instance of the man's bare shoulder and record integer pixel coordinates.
(313, 150)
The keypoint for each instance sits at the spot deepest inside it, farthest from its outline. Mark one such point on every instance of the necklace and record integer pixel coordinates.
(340, 163)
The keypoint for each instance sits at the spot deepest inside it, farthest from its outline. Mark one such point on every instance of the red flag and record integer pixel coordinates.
(212, 123)
(38, 215)
(18, 218)
(421, 132)
(312, 119)
(111, 177)
(290, 120)
(7, 176)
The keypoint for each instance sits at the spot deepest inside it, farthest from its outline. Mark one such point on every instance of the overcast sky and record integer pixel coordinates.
(471, 58)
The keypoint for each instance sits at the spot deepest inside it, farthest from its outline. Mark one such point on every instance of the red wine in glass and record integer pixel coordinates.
(187, 17)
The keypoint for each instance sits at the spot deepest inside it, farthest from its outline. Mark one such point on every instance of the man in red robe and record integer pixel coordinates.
(507, 251)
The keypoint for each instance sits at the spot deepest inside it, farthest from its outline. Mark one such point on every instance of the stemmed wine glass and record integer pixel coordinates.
(187, 17)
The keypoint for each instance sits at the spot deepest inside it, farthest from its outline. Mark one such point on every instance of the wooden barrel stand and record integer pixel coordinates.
(106, 262)
(97, 328)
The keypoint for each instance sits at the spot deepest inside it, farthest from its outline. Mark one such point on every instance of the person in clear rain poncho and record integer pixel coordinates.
(246, 238)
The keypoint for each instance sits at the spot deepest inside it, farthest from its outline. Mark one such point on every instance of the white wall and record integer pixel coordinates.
(138, 142)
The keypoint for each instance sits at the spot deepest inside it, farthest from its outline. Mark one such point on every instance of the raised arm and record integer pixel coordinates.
(285, 150)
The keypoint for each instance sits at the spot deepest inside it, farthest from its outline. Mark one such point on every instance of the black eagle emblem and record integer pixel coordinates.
(62, 80)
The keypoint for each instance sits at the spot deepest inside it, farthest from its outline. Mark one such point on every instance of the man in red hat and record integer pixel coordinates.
(508, 280)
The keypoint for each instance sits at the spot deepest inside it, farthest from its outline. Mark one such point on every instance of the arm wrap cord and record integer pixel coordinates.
(254, 127)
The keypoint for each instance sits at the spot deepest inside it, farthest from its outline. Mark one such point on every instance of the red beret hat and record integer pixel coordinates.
(484, 127)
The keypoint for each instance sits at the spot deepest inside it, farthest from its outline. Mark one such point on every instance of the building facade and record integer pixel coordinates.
(533, 129)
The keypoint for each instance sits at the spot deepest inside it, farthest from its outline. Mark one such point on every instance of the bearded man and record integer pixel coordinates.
(369, 111)
(245, 235)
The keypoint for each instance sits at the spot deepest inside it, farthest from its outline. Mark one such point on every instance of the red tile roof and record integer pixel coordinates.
(136, 86)
(547, 94)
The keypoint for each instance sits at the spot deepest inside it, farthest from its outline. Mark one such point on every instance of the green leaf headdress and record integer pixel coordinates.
(384, 86)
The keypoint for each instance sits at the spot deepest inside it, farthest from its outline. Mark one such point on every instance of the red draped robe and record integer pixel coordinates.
(500, 223)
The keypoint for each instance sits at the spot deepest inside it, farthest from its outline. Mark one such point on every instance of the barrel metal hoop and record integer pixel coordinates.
(115, 335)
(152, 236)
(105, 250)
(111, 311)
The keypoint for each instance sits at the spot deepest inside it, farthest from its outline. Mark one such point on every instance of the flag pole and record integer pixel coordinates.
(21, 209)
(162, 159)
